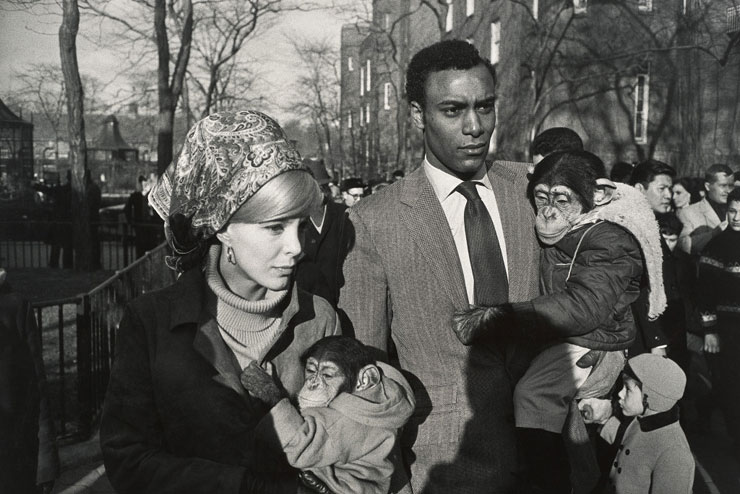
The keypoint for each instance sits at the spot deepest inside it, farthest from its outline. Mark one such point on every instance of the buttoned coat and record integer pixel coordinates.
(700, 223)
(176, 418)
(403, 282)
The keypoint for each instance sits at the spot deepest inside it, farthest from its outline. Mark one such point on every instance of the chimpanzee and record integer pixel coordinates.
(590, 273)
(351, 408)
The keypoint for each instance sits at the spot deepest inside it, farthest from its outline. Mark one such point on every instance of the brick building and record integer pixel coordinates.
(636, 78)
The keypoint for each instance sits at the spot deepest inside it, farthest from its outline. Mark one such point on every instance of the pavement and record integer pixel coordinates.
(717, 472)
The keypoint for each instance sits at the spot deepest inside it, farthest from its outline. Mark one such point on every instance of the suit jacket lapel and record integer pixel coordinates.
(427, 224)
(508, 200)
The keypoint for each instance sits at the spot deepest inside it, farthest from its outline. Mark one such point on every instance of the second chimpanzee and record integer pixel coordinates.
(590, 273)
(351, 408)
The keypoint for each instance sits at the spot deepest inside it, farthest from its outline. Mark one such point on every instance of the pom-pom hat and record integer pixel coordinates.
(663, 381)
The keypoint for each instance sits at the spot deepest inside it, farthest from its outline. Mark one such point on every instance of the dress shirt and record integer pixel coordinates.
(453, 204)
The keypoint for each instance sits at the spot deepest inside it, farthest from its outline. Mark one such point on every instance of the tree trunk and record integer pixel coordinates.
(76, 130)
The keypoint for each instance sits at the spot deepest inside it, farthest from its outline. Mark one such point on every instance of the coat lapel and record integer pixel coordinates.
(209, 344)
(426, 222)
(512, 211)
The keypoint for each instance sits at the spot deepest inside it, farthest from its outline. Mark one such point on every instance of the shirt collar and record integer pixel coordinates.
(444, 183)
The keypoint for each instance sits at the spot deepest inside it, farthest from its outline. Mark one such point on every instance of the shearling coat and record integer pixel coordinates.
(403, 282)
(176, 418)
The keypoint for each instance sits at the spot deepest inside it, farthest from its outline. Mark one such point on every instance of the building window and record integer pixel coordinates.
(495, 42)
(535, 9)
(450, 18)
(367, 114)
(349, 120)
(733, 19)
(580, 6)
(469, 7)
(350, 64)
(367, 74)
(362, 116)
(642, 104)
(362, 82)
(645, 5)
(387, 22)
(387, 96)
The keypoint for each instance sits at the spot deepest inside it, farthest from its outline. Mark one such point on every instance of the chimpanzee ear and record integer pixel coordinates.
(417, 115)
(604, 192)
(368, 377)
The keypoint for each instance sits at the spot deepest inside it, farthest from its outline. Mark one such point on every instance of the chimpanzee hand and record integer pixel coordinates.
(313, 482)
(261, 385)
(470, 324)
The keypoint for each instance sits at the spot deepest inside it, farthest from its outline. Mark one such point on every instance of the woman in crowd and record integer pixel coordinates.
(176, 418)
(684, 193)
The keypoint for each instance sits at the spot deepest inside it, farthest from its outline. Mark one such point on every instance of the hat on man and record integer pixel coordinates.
(352, 183)
(663, 381)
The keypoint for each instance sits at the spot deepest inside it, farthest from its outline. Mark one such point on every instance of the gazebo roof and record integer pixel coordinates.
(7, 116)
(110, 136)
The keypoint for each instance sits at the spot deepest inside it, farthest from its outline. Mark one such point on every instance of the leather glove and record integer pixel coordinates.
(261, 385)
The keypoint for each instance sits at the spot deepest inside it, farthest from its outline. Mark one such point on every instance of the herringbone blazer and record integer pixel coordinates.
(403, 282)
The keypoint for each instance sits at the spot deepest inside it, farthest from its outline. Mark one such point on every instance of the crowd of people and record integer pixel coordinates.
(504, 327)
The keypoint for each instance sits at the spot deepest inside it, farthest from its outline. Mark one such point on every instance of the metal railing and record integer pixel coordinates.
(30, 243)
(79, 379)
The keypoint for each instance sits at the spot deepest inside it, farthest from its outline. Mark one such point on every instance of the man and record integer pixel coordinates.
(411, 268)
(705, 219)
(141, 217)
(320, 269)
(353, 189)
(719, 305)
(553, 140)
(654, 179)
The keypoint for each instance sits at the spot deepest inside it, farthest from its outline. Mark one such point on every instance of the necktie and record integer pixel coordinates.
(491, 286)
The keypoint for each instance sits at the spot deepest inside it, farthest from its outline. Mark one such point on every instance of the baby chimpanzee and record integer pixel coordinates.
(351, 408)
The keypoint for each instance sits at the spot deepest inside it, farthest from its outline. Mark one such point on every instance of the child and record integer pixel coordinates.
(654, 455)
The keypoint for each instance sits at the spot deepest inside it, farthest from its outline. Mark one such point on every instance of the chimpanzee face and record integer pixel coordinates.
(558, 209)
(324, 380)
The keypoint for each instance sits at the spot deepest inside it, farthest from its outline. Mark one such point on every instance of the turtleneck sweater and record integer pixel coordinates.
(248, 327)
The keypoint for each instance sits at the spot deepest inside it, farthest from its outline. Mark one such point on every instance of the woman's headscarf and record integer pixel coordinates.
(226, 158)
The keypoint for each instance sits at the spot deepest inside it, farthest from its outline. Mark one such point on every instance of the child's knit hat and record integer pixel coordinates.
(663, 381)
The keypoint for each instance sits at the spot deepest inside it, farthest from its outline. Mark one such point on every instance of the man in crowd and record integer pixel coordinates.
(719, 305)
(141, 217)
(705, 219)
(433, 243)
(352, 191)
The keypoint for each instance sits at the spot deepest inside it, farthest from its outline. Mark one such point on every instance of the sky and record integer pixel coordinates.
(27, 38)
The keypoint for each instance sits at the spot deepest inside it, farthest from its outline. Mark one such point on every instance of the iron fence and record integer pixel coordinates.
(79, 378)
(31, 243)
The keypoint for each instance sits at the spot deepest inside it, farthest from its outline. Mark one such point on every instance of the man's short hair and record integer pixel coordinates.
(555, 140)
(621, 172)
(449, 54)
(734, 195)
(645, 172)
(711, 174)
(669, 224)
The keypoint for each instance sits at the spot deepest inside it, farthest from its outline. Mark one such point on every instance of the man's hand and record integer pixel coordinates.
(660, 350)
(261, 385)
(595, 410)
(711, 343)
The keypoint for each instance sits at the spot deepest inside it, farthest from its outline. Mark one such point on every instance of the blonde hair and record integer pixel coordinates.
(292, 194)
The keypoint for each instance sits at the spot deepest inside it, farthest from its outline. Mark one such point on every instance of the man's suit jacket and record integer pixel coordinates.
(403, 281)
(700, 223)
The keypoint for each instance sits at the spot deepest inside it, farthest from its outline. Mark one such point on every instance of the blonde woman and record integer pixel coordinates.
(176, 418)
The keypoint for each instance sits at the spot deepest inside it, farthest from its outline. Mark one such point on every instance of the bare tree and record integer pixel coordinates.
(76, 132)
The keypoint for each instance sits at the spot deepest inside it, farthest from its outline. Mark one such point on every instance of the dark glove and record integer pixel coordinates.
(471, 324)
(313, 482)
(261, 385)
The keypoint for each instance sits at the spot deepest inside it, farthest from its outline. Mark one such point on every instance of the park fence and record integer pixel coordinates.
(79, 372)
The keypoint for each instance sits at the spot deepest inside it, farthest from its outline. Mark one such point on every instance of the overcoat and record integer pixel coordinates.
(700, 223)
(176, 417)
(403, 282)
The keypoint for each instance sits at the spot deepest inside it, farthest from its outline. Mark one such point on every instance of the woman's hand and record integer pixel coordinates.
(595, 410)
(261, 385)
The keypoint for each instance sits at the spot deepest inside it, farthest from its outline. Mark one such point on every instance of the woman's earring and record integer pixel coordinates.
(230, 256)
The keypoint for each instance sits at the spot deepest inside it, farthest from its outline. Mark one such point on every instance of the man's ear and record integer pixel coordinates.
(417, 114)
(640, 187)
(706, 186)
(368, 377)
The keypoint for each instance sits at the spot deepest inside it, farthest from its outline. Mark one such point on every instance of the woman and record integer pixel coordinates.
(684, 193)
(176, 418)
